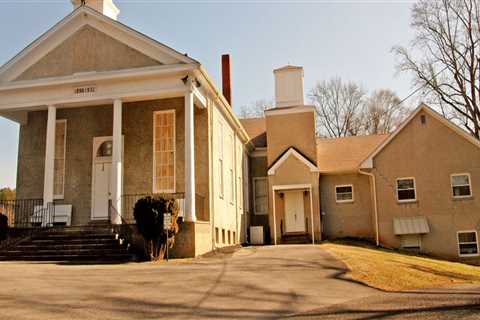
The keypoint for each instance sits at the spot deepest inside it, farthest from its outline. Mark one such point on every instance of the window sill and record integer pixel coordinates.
(344, 202)
(463, 198)
(407, 201)
(469, 255)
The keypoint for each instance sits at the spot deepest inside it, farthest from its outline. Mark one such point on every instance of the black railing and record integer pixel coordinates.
(27, 213)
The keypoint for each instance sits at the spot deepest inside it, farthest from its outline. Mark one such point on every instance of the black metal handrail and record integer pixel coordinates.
(27, 213)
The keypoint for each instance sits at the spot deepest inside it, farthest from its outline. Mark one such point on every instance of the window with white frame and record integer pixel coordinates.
(406, 190)
(461, 185)
(231, 175)
(260, 187)
(344, 193)
(164, 151)
(220, 161)
(467, 243)
(59, 161)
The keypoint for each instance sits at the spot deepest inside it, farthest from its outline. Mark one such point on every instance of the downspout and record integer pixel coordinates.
(375, 209)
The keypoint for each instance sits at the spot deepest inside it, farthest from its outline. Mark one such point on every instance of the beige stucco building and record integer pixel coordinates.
(109, 115)
(412, 189)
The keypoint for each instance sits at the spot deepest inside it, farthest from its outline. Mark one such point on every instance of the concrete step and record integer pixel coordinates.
(51, 252)
(112, 258)
(85, 243)
(69, 241)
(296, 239)
(68, 237)
(68, 246)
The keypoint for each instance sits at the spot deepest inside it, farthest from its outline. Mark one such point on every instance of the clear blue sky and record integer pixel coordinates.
(350, 39)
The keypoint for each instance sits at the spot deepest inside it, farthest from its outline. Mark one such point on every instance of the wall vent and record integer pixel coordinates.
(423, 119)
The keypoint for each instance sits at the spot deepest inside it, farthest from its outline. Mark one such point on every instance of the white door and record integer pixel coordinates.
(101, 190)
(294, 212)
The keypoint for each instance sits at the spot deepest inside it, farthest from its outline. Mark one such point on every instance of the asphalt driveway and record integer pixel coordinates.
(257, 282)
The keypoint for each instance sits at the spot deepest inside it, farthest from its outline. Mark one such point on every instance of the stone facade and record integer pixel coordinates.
(85, 51)
(83, 124)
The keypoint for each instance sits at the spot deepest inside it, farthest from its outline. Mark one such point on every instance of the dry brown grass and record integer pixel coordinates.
(392, 271)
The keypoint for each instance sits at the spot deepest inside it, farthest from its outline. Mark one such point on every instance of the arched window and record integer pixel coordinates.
(105, 149)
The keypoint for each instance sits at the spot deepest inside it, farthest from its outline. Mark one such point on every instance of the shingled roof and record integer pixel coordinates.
(336, 155)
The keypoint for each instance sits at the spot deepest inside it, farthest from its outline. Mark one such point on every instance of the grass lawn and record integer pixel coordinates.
(393, 271)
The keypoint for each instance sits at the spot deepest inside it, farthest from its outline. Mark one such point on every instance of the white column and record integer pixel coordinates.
(117, 173)
(274, 218)
(49, 156)
(311, 216)
(189, 154)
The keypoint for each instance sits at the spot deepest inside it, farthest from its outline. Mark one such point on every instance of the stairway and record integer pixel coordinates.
(296, 238)
(94, 243)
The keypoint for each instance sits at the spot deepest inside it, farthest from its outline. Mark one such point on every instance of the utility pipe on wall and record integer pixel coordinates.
(375, 209)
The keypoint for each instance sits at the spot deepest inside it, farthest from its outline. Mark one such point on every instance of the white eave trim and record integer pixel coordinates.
(288, 110)
(100, 76)
(296, 154)
(368, 162)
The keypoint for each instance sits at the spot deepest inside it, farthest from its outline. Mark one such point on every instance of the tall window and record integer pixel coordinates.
(461, 185)
(231, 176)
(220, 161)
(59, 164)
(261, 198)
(467, 243)
(406, 190)
(164, 151)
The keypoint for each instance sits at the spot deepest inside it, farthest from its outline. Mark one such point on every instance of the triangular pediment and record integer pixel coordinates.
(87, 41)
(292, 153)
(87, 50)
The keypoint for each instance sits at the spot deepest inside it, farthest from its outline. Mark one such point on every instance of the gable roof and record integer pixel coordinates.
(256, 128)
(345, 154)
(368, 162)
(78, 18)
(292, 151)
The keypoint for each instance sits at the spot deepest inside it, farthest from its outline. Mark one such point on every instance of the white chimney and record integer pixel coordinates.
(106, 7)
(289, 87)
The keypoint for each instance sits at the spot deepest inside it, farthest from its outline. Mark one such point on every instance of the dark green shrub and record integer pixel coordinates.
(148, 213)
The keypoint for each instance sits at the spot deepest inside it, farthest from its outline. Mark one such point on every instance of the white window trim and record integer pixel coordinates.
(221, 159)
(414, 189)
(419, 239)
(344, 201)
(154, 187)
(62, 196)
(231, 172)
(469, 185)
(476, 238)
(254, 196)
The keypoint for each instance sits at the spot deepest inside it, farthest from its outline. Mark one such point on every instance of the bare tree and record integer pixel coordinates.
(383, 112)
(255, 109)
(338, 106)
(443, 58)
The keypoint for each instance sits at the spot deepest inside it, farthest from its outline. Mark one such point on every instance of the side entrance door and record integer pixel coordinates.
(294, 212)
(101, 174)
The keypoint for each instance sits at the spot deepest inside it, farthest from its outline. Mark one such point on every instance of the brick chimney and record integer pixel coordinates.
(226, 79)
(106, 7)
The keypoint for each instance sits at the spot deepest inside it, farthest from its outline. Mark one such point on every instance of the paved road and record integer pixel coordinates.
(253, 283)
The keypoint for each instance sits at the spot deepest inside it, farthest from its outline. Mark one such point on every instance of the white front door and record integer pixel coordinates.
(101, 176)
(294, 212)
(101, 190)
